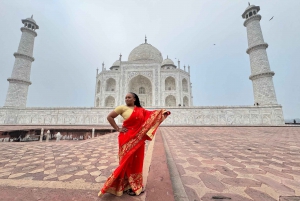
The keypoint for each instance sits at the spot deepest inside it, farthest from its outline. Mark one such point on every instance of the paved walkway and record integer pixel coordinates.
(205, 163)
(251, 163)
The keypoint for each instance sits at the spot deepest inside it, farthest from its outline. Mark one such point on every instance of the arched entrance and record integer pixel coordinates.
(170, 101)
(170, 84)
(184, 85)
(111, 84)
(186, 101)
(110, 101)
(143, 88)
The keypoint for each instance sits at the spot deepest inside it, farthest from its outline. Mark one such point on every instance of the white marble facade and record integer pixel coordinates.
(157, 82)
(189, 116)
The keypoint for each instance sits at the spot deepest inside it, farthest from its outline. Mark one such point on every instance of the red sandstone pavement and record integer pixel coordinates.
(222, 163)
(201, 163)
(74, 170)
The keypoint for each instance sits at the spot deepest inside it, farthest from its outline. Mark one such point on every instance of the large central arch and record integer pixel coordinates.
(142, 86)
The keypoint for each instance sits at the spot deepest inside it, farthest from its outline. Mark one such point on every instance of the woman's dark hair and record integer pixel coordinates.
(137, 100)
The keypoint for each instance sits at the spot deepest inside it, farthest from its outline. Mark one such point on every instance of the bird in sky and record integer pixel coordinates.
(271, 18)
(214, 44)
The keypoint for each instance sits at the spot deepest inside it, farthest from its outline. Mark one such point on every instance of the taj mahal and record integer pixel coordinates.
(159, 82)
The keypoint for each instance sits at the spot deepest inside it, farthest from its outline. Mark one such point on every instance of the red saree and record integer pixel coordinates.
(141, 126)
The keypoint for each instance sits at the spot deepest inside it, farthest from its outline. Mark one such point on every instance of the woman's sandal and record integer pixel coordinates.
(132, 193)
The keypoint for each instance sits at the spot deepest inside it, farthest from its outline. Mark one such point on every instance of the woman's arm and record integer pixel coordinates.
(111, 119)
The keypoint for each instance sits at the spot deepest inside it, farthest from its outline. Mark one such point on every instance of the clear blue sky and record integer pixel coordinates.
(76, 36)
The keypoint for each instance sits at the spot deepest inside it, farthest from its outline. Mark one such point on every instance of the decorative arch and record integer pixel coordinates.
(110, 84)
(109, 101)
(170, 83)
(98, 86)
(170, 101)
(140, 84)
(185, 101)
(97, 102)
(184, 85)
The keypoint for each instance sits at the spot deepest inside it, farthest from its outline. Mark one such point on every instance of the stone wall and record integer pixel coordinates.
(188, 116)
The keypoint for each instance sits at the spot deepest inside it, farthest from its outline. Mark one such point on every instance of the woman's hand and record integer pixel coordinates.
(122, 130)
(167, 113)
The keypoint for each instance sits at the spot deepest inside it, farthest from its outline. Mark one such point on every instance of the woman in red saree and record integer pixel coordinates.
(139, 125)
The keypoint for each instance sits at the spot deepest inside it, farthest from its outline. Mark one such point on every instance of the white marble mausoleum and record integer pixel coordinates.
(158, 82)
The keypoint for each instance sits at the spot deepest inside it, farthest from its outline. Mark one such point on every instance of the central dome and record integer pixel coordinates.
(145, 52)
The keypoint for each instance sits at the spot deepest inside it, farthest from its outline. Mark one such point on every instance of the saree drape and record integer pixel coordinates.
(141, 126)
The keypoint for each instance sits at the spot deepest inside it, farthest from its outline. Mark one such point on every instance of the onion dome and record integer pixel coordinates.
(167, 63)
(115, 65)
(145, 51)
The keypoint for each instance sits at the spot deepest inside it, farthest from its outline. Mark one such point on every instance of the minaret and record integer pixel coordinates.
(261, 74)
(20, 77)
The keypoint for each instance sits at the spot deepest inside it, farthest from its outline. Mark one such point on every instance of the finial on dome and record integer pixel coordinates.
(120, 58)
(145, 39)
(31, 16)
(167, 57)
(249, 3)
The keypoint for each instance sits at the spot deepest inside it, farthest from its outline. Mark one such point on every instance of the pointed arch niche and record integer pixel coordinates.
(109, 101)
(97, 102)
(186, 101)
(170, 83)
(142, 86)
(170, 101)
(184, 85)
(98, 86)
(111, 84)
